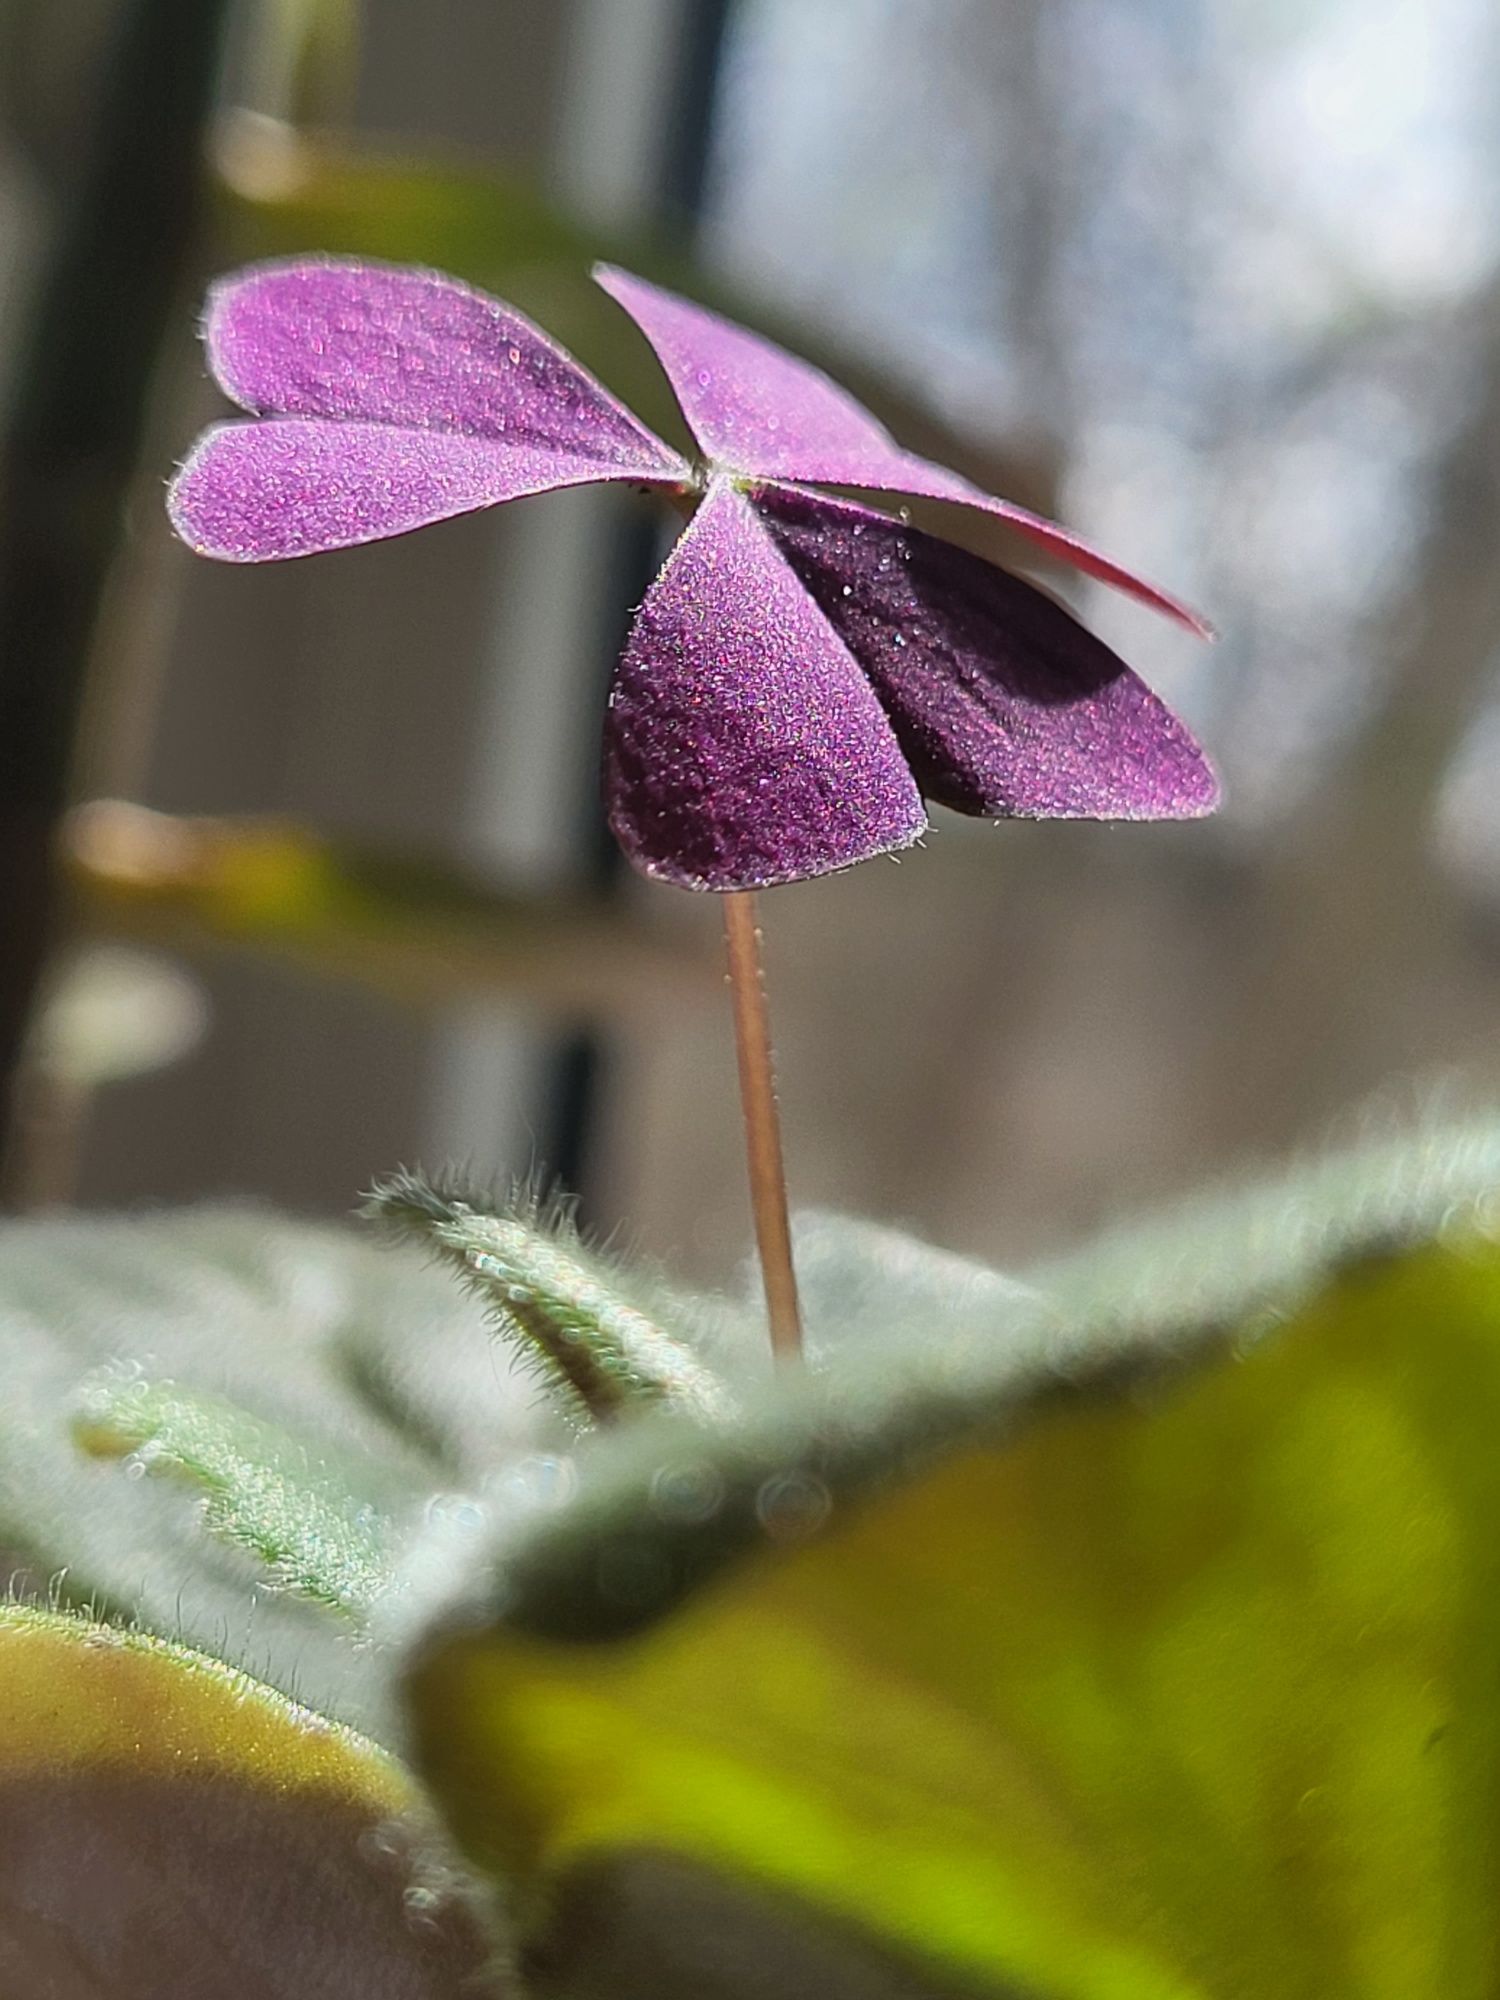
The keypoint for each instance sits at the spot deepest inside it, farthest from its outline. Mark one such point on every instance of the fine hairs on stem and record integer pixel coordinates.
(752, 1038)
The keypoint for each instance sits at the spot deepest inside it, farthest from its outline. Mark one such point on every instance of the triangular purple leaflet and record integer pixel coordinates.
(743, 746)
(391, 399)
(762, 412)
(415, 349)
(798, 677)
(296, 486)
(752, 406)
(1004, 704)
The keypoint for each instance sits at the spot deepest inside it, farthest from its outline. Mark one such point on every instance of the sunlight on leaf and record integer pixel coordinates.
(168, 1826)
(1179, 1689)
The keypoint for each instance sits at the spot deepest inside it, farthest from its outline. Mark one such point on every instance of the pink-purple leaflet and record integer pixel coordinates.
(392, 398)
(760, 411)
(745, 746)
(803, 671)
(1005, 706)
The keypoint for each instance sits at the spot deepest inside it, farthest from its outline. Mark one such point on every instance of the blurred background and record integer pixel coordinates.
(303, 866)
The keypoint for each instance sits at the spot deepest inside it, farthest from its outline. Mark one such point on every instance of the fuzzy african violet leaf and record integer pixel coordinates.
(1003, 703)
(1124, 1656)
(285, 1363)
(743, 746)
(759, 411)
(170, 1827)
(324, 1522)
(863, 1282)
(561, 1305)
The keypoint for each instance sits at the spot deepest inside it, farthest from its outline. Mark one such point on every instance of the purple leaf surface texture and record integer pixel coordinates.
(743, 745)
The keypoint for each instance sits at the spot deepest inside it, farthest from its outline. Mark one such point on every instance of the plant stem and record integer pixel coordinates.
(752, 1040)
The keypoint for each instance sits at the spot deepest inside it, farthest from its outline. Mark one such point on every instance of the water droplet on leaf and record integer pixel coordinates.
(455, 1510)
(689, 1492)
(541, 1481)
(793, 1506)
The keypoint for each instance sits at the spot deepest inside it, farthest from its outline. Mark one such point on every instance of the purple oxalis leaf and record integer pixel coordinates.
(802, 665)
(296, 486)
(416, 349)
(398, 398)
(1004, 704)
(743, 745)
(762, 412)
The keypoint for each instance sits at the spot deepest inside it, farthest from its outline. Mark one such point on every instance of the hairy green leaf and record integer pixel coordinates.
(1144, 1652)
(263, 1337)
(560, 1303)
(863, 1284)
(168, 1826)
(315, 1522)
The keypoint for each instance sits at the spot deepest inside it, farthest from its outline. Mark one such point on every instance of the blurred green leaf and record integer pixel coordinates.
(1145, 1651)
(169, 1827)
(301, 59)
(263, 1337)
(417, 932)
(862, 1283)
